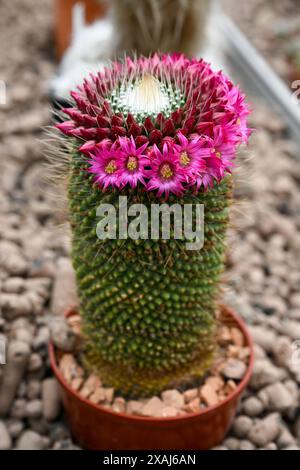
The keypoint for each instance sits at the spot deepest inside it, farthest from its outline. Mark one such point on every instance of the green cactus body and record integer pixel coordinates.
(148, 306)
(158, 130)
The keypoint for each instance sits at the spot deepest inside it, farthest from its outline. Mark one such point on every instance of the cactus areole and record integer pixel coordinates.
(158, 130)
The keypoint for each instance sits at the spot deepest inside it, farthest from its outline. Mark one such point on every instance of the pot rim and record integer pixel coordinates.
(190, 416)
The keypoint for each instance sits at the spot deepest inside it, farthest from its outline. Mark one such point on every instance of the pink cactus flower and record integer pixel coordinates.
(165, 123)
(166, 174)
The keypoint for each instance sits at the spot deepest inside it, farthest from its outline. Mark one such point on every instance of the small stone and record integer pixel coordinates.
(69, 368)
(168, 412)
(18, 409)
(264, 373)
(35, 362)
(119, 405)
(193, 406)
(190, 394)
(152, 407)
(90, 386)
(5, 438)
(34, 409)
(64, 290)
(244, 354)
(282, 351)
(234, 369)
(173, 398)
(237, 337)
(229, 387)
(259, 352)
(276, 397)
(33, 389)
(209, 395)
(215, 382)
(292, 329)
(134, 407)
(271, 446)
(51, 399)
(241, 426)
(77, 383)
(232, 443)
(65, 444)
(109, 394)
(265, 430)
(15, 427)
(224, 336)
(246, 445)
(30, 440)
(75, 323)
(253, 406)
(285, 438)
(62, 334)
(263, 337)
(219, 448)
(41, 339)
(295, 300)
(98, 396)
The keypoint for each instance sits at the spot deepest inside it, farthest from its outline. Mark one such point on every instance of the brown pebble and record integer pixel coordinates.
(77, 383)
(134, 407)
(119, 405)
(190, 395)
(193, 406)
(209, 395)
(230, 387)
(215, 382)
(69, 368)
(109, 394)
(224, 336)
(90, 386)
(237, 337)
(98, 395)
(168, 412)
(173, 398)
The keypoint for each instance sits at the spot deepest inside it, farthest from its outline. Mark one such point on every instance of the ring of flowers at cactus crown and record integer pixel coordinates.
(164, 123)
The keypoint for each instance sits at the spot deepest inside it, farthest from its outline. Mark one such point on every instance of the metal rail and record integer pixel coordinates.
(258, 75)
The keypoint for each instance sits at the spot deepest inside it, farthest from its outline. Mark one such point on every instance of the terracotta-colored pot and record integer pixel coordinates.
(97, 428)
(63, 19)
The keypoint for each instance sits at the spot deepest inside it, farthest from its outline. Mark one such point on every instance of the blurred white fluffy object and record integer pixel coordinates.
(91, 48)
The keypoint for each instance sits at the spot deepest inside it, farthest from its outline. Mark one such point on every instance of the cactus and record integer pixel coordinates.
(145, 26)
(163, 129)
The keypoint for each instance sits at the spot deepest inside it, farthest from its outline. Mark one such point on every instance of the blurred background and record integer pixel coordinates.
(47, 48)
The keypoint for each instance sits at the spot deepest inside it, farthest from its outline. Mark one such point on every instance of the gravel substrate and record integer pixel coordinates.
(228, 369)
(273, 26)
(36, 278)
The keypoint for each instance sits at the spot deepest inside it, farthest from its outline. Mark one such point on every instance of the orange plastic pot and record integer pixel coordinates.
(97, 428)
(63, 19)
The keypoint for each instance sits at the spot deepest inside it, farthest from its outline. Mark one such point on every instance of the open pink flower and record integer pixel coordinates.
(132, 162)
(190, 155)
(105, 164)
(166, 175)
(191, 118)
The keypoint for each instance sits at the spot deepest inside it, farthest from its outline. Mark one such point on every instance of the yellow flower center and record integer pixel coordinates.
(184, 159)
(132, 163)
(111, 167)
(166, 171)
(218, 154)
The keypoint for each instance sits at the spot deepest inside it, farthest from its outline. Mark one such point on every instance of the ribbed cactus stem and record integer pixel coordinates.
(159, 131)
(148, 306)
